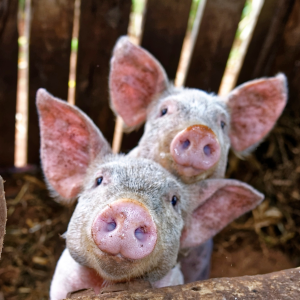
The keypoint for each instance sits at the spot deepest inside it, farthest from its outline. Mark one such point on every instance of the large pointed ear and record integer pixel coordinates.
(255, 107)
(136, 78)
(3, 214)
(220, 202)
(69, 143)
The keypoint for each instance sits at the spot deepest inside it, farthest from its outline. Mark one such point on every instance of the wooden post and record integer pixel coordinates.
(49, 59)
(213, 43)
(101, 24)
(278, 285)
(8, 79)
(3, 214)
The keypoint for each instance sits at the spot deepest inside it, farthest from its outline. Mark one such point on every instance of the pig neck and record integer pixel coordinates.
(71, 276)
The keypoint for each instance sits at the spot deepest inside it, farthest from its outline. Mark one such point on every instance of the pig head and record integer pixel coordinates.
(189, 131)
(131, 212)
(3, 214)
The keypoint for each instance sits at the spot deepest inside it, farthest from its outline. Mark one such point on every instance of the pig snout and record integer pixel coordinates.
(125, 227)
(195, 147)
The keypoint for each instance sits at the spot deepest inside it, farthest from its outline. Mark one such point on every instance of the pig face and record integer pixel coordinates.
(130, 212)
(189, 131)
(186, 133)
(129, 226)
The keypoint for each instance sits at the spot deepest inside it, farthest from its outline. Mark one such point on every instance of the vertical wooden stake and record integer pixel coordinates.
(118, 134)
(3, 214)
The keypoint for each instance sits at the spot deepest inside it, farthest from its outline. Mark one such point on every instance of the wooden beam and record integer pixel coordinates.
(287, 59)
(8, 79)
(3, 214)
(213, 43)
(165, 26)
(49, 59)
(265, 40)
(101, 23)
(278, 285)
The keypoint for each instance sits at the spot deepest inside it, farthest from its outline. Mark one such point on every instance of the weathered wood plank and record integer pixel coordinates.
(288, 57)
(213, 43)
(3, 214)
(101, 23)
(49, 58)
(278, 285)
(8, 79)
(165, 26)
(265, 40)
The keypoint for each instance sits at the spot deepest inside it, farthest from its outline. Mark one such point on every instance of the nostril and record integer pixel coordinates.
(186, 144)
(111, 226)
(207, 150)
(140, 234)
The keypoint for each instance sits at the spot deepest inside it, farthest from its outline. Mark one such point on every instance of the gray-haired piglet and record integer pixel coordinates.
(132, 215)
(188, 131)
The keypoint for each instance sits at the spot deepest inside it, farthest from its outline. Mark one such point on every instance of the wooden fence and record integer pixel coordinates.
(274, 47)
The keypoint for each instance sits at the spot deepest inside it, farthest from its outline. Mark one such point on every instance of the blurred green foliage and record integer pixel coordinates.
(138, 6)
(74, 44)
(21, 4)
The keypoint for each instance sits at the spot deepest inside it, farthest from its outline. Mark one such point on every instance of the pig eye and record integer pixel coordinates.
(163, 112)
(174, 201)
(223, 124)
(99, 180)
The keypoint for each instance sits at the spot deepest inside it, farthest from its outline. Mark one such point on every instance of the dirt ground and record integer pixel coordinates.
(266, 240)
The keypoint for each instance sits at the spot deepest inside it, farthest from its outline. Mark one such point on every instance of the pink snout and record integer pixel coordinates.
(125, 227)
(195, 148)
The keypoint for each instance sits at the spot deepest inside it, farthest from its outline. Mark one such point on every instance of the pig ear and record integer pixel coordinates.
(220, 201)
(255, 107)
(3, 214)
(69, 142)
(136, 78)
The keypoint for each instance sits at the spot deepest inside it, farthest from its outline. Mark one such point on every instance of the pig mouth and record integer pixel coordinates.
(118, 268)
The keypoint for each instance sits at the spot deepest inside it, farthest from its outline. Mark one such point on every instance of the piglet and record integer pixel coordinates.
(188, 131)
(132, 215)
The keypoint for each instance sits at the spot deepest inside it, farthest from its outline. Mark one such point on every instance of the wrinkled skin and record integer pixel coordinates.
(128, 224)
(141, 92)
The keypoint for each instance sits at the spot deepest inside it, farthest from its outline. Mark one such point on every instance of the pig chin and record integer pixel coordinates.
(189, 174)
(116, 268)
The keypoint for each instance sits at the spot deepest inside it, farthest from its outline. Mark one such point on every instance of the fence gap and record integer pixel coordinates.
(22, 88)
(189, 41)
(214, 40)
(74, 52)
(135, 30)
(240, 45)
